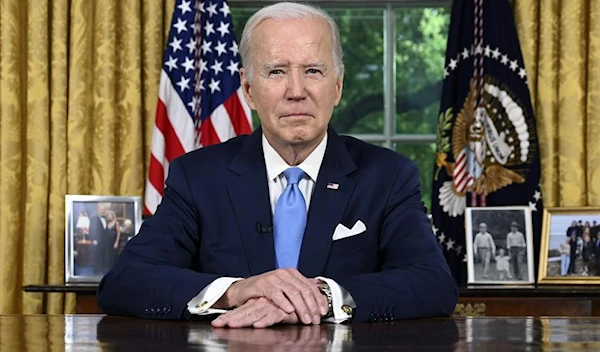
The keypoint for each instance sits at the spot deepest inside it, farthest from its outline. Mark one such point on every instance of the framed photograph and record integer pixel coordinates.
(499, 243)
(96, 230)
(570, 247)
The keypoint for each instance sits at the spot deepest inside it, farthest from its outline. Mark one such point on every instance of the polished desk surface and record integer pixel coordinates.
(106, 333)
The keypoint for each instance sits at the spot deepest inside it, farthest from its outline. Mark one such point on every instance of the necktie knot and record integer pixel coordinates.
(293, 175)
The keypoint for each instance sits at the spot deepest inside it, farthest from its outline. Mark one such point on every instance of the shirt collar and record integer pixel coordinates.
(276, 165)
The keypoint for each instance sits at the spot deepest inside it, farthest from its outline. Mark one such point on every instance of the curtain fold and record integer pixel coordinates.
(560, 43)
(78, 93)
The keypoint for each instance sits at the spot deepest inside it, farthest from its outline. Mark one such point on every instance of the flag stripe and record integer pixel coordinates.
(239, 119)
(247, 110)
(177, 113)
(208, 135)
(222, 124)
(173, 148)
(199, 99)
(157, 177)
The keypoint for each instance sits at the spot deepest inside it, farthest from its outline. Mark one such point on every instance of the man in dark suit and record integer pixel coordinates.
(97, 236)
(596, 241)
(292, 224)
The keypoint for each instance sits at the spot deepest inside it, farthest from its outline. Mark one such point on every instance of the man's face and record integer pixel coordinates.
(482, 228)
(101, 209)
(513, 228)
(295, 86)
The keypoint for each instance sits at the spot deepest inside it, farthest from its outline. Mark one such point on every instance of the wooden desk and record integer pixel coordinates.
(98, 332)
(85, 295)
(473, 301)
(573, 301)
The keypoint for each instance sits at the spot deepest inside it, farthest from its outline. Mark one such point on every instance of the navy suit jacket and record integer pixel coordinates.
(205, 228)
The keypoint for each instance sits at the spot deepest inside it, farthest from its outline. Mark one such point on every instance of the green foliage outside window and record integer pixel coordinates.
(420, 45)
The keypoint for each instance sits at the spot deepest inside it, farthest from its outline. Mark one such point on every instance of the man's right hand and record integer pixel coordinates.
(288, 289)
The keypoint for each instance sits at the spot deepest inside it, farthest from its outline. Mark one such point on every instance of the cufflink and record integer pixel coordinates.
(347, 309)
(201, 305)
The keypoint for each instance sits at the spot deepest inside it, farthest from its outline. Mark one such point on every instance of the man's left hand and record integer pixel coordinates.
(256, 312)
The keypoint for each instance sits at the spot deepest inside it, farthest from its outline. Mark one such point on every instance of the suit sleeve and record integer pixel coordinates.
(151, 278)
(414, 279)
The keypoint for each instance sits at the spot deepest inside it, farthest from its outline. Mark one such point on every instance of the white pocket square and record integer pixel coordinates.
(342, 231)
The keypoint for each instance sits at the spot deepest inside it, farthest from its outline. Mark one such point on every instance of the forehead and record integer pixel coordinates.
(293, 38)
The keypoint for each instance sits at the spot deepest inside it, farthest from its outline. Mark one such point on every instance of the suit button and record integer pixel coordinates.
(147, 310)
(152, 310)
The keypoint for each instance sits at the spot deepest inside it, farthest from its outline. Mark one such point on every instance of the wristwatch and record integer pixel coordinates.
(326, 291)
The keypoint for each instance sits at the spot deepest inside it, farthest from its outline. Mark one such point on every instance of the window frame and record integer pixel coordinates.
(389, 138)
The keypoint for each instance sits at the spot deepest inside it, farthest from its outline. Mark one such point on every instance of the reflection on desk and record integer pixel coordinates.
(104, 333)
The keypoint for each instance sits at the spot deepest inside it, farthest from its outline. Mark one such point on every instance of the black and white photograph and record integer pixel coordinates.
(97, 229)
(499, 245)
(570, 249)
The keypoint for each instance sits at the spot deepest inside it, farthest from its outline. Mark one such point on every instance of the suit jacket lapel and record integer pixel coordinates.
(327, 206)
(249, 196)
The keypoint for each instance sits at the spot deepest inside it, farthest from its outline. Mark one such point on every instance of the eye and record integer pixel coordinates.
(276, 72)
(313, 71)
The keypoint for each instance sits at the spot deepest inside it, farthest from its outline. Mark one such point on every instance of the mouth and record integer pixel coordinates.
(296, 115)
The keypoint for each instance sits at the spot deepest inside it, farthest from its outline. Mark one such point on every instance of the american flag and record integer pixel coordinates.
(200, 101)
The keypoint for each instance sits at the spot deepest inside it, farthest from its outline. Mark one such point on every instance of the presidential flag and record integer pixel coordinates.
(200, 99)
(487, 146)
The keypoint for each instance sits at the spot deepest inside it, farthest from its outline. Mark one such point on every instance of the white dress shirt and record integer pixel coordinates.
(201, 304)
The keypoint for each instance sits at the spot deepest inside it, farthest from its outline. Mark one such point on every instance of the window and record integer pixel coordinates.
(394, 56)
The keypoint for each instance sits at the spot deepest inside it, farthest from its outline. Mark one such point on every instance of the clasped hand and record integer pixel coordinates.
(279, 296)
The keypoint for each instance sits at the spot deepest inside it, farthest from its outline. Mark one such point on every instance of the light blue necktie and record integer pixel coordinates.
(289, 220)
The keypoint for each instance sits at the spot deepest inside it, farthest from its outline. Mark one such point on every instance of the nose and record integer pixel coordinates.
(296, 86)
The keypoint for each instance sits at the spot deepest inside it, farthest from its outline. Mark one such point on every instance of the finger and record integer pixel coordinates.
(291, 319)
(250, 314)
(293, 291)
(310, 294)
(278, 297)
(322, 306)
(273, 316)
(225, 318)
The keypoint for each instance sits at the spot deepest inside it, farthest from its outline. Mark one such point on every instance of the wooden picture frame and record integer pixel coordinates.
(93, 240)
(556, 257)
(505, 256)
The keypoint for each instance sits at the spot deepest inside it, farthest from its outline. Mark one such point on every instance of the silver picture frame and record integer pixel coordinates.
(499, 243)
(97, 227)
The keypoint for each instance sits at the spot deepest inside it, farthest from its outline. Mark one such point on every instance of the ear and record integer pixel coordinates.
(246, 88)
(339, 86)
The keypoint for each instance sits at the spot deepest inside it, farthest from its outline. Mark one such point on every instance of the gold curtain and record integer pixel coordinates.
(560, 40)
(78, 92)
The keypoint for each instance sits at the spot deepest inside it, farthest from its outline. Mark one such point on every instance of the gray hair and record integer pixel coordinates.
(289, 11)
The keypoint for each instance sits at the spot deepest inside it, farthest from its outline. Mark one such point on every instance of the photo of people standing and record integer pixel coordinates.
(499, 244)
(574, 246)
(101, 230)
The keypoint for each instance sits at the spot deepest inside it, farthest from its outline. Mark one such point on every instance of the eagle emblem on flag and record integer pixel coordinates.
(491, 145)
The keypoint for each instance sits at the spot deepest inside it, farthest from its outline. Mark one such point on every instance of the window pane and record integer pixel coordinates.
(361, 107)
(421, 35)
(423, 154)
(361, 32)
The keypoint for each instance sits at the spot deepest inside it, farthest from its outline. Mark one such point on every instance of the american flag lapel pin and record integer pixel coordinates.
(333, 186)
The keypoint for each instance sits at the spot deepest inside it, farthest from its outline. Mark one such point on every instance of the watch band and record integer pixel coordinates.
(326, 291)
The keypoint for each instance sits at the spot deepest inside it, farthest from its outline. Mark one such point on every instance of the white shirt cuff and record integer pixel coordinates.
(201, 304)
(341, 300)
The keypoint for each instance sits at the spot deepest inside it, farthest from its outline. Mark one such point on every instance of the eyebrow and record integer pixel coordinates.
(275, 65)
